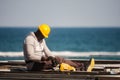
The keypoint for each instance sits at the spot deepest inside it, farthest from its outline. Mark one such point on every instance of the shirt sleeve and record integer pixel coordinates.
(46, 50)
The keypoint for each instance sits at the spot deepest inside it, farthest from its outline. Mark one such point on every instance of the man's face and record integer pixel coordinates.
(40, 36)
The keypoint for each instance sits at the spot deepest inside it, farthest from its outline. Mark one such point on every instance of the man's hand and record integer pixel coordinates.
(50, 58)
(54, 61)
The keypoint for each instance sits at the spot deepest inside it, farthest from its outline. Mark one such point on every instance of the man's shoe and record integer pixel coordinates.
(91, 65)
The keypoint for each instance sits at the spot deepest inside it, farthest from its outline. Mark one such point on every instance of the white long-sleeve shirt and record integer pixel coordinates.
(34, 50)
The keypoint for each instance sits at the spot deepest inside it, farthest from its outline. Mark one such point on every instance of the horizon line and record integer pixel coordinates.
(62, 26)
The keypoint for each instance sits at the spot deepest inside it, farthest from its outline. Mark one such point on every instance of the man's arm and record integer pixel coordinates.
(46, 50)
(29, 50)
(31, 54)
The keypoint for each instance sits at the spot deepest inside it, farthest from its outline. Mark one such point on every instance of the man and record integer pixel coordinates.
(38, 56)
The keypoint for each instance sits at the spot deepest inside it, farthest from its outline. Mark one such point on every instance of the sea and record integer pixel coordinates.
(71, 43)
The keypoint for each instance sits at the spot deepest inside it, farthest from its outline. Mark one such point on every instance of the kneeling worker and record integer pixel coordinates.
(38, 56)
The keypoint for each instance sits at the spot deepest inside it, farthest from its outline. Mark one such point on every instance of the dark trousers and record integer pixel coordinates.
(38, 66)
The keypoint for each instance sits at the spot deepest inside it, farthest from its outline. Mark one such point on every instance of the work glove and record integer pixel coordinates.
(53, 60)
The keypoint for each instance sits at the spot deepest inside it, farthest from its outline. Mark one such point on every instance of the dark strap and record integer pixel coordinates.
(28, 61)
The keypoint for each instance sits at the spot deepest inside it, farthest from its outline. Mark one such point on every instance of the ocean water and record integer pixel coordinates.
(73, 43)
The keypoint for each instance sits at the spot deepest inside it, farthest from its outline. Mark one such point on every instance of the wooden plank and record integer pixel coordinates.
(57, 75)
(22, 62)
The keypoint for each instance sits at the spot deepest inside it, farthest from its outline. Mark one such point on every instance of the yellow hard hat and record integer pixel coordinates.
(45, 30)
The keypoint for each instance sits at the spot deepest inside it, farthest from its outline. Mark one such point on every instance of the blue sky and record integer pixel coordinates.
(60, 13)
